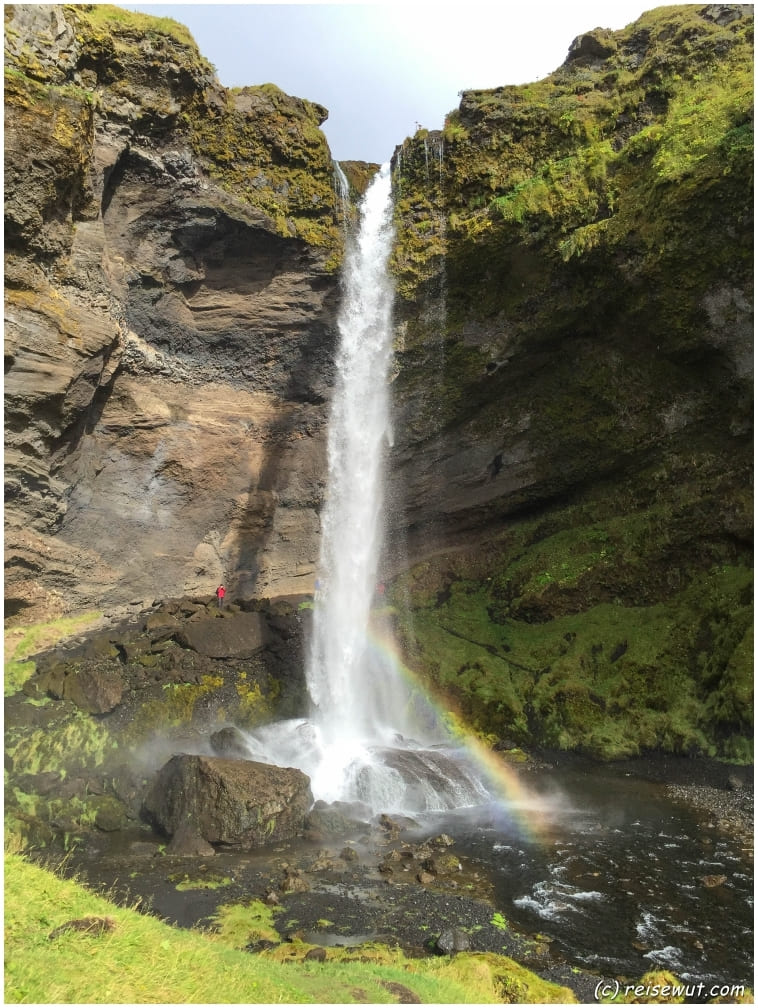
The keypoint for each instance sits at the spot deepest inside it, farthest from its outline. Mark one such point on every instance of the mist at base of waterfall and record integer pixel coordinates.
(395, 775)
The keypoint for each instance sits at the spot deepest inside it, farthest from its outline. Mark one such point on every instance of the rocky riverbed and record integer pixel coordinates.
(91, 726)
(353, 879)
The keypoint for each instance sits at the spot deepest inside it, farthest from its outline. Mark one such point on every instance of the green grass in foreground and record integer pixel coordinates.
(141, 960)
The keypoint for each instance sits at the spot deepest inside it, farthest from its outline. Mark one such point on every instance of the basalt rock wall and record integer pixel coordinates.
(171, 254)
(570, 507)
(573, 451)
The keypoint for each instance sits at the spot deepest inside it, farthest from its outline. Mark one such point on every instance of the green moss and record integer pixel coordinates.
(176, 706)
(207, 880)
(266, 148)
(254, 707)
(75, 742)
(584, 162)
(243, 924)
(110, 20)
(588, 636)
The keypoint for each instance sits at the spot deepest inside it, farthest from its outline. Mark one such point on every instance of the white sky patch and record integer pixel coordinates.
(382, 69)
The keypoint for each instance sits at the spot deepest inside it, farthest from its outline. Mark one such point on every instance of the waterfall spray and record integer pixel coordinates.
(369, 737)
(341, 196)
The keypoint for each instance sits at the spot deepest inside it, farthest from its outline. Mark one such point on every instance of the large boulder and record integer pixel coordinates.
(239, 636)
(229, 802)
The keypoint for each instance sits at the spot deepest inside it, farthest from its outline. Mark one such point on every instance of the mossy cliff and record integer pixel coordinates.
(573, 449)
(570, 480)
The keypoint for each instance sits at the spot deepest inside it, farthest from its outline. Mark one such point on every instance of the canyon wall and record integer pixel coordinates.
(570, 499)
(171, 264)
(573, 456)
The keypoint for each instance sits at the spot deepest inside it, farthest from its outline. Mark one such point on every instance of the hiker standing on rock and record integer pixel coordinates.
(220, 593)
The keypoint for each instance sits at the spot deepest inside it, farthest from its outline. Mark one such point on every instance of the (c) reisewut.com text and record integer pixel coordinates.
(613, 988)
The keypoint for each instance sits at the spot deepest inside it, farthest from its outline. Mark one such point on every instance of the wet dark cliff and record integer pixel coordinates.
(570, 497)
(573, 457)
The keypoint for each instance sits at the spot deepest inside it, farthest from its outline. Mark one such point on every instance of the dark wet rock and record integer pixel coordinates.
(452, 940)
(240, 635)
(93, 689)
(338, 818)
(187, 842)
(401, 992)
(41, 783)
(261, 945)
(142, 848)
(235, 803)
(349, 854)
(230, 742)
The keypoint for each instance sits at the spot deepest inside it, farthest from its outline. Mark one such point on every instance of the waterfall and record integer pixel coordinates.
(347, 698)
(341, 196)
(369, 737)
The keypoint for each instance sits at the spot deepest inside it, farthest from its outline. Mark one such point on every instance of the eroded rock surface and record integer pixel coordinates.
(229, 802)
(169, 318)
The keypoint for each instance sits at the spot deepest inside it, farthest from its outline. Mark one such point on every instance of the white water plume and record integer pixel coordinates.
(370, 737)
(349, 702)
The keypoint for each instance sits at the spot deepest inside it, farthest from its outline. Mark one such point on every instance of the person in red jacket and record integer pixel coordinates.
(220, 593)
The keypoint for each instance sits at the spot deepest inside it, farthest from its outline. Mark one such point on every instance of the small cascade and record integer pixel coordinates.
(343, 207)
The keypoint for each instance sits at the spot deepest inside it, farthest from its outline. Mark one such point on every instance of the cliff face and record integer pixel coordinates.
(571, 512)
(574, 393)
(171, 252)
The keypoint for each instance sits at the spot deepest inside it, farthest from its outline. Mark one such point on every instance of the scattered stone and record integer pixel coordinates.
(452, 940)
(324, 862)
(712, 881)
(294, 881)
(446, 864)
(443, 840)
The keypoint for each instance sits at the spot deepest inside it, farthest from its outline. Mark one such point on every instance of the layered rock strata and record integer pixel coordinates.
(170, 260)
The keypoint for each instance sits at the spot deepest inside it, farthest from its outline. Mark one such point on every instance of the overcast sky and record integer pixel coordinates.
(381, 69)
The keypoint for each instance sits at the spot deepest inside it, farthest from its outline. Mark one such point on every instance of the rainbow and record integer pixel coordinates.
(534, 814)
